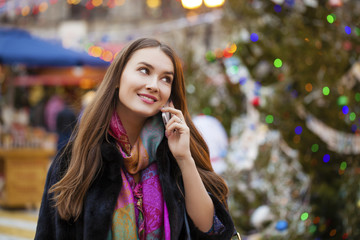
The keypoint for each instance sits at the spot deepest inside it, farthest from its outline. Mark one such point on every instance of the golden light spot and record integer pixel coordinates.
(74, 2)
(86, 83)
(153, 3)
(191, 4)
(119, 2)
(43, 6)
(95, 51)
(231, 48)
(107, 55)
(214, 3)
(25, 11)
(96, 3)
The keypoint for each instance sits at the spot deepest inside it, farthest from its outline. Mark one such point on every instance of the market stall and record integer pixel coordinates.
(38, 78)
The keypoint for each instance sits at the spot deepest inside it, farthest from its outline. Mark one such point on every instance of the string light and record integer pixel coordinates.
(191, 4)
(25, 11)
(96, 3)
(214, 3)
(43, 6)
(153, 3)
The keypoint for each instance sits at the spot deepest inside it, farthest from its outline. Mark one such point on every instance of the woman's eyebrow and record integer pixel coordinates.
(150, 66)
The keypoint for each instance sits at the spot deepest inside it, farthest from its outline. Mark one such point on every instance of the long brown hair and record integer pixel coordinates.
(92, 129)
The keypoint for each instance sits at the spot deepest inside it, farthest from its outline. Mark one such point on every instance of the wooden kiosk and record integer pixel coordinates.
(24, 173)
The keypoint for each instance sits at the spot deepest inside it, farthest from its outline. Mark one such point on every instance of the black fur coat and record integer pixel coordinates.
(96, 218)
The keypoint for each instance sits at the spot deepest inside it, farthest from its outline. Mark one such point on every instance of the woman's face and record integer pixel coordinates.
(145, 84)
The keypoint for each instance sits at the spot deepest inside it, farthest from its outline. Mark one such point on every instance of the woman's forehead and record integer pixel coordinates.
(153, 56)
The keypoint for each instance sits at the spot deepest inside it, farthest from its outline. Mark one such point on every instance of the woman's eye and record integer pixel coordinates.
(144, 70)
(167, 79)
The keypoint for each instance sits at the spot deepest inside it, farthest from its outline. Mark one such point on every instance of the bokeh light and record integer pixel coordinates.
(348, 30)
(210, 56)
(254, 37)
(95, 51)
(119, 2)
(277, 8)
(242, 80)
(357, 31)
(153, 3)
(25, 11)
(352, 116)
(342, 100)
(107, 56)
(96, 3)
(326, 91)
(332, 232)
(233, 70)
(345, 109)
(43, 6)
(73, 2)
(278, 63)
(308, 87)
(312, 229)
(343, 166)
(231, 48)
(357, 97)
(326, 158)
(226, 53)
(219, 53)
(316, 220)
(269, 119)
(191, 4)
(298, 130)
(304, 216)
(331, 18)
(315, 147)
(214, 3)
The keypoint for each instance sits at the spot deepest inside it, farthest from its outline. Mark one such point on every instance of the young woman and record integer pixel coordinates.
(127, 175)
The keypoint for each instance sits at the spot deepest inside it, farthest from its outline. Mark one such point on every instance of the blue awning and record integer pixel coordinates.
(20, 47)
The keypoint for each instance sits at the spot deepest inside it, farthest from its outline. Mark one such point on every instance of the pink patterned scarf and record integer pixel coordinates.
(140, 212)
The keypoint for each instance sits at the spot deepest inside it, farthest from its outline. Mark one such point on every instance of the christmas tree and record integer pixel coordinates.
(302, 61)
(289, 98)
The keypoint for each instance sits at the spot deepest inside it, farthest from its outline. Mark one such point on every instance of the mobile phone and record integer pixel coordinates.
(166, 115)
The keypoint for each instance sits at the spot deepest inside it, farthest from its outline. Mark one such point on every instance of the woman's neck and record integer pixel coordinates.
(133, 126)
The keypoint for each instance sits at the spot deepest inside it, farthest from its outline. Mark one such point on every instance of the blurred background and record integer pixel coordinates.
(273, 86)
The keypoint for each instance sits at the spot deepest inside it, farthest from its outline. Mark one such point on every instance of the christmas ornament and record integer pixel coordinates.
(281, 225)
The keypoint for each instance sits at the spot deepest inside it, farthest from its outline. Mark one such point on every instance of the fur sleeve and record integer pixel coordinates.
(223, 215)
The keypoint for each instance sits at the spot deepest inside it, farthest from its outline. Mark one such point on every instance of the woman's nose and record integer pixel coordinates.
(152, 84)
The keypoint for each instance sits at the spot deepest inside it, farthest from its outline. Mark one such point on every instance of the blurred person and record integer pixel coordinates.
(127, 175)
(65, 122)
(52, 107)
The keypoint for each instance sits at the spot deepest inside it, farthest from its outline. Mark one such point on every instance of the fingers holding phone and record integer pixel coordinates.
(177, 132)
(166, 115)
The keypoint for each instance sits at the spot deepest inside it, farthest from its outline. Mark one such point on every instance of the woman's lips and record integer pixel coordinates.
(146, 99)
